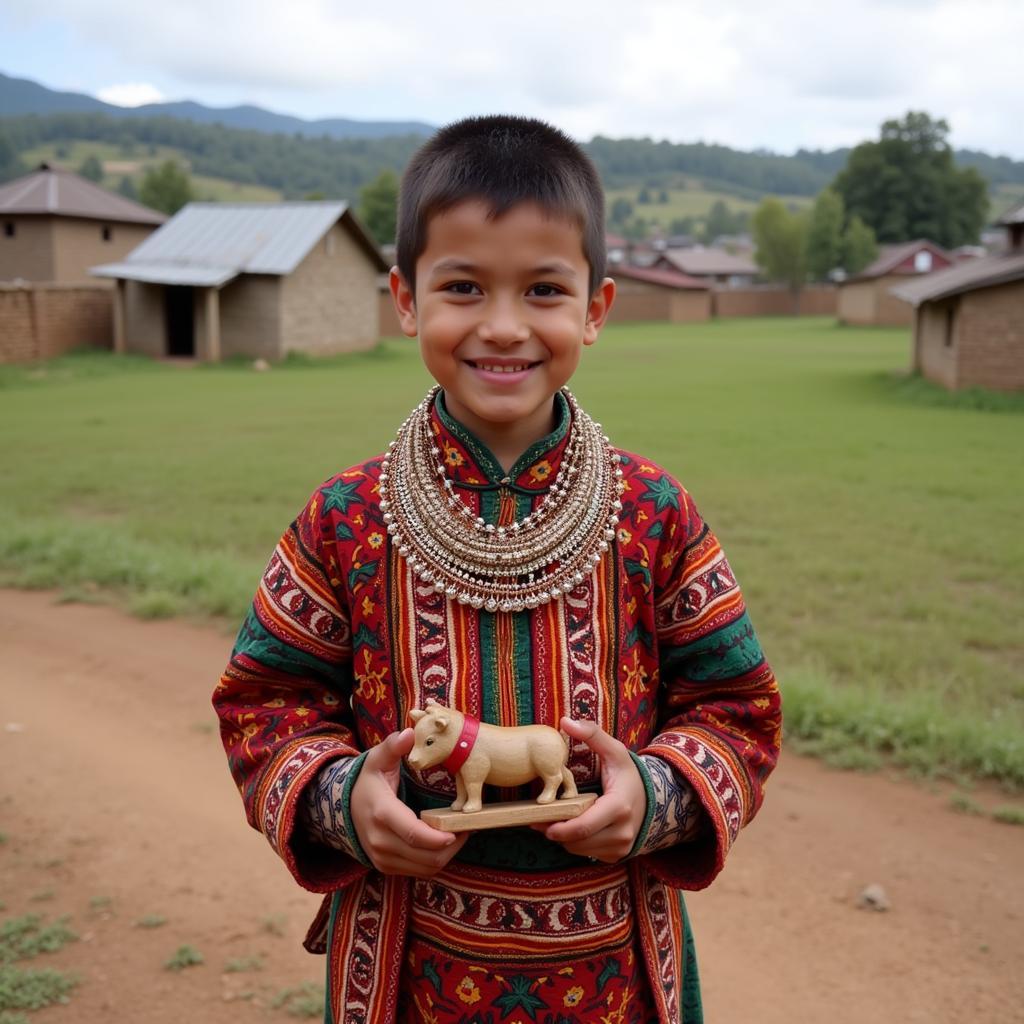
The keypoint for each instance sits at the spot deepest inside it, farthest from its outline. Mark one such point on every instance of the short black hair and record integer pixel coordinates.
(502, 160)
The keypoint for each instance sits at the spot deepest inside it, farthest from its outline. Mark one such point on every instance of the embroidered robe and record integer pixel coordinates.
(342, 640)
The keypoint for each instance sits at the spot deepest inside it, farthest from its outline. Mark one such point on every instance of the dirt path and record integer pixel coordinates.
(116, 804)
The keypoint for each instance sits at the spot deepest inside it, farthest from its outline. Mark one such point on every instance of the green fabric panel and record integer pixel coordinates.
(724, 654)
(255, 641)
(693, 1007)
(489, 702)
(645, 826)
(524, 641)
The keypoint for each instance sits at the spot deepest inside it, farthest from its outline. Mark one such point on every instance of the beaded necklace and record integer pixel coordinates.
(527, 563)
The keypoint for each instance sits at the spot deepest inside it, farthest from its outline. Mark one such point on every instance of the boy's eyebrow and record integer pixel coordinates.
(458, 266)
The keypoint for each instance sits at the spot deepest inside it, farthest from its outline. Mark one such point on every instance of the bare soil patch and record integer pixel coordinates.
(116, 804)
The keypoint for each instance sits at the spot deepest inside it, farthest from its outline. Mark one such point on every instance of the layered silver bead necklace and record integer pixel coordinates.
(506, 568)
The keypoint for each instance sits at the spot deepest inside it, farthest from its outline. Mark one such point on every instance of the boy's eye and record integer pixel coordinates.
(462, 288)
(545, 291)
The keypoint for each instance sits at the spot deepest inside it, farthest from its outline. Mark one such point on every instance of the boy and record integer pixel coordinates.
(505, 560)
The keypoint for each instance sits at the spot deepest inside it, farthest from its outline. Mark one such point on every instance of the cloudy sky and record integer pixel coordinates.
(747, 74)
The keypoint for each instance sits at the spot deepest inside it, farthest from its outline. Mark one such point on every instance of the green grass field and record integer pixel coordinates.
(118, 164)
(694, 201)
(873, 521)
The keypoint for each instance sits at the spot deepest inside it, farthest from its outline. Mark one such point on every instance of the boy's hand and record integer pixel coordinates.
(394, 839)
(607, 830)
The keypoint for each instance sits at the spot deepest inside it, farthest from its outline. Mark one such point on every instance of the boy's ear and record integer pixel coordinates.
(598, 310)
(405, 302)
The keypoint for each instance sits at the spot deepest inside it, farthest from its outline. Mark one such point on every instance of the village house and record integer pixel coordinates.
(55, 225)
(646, 293)
(866, 300)
(969, 319)
(715, 266)
(251, 279)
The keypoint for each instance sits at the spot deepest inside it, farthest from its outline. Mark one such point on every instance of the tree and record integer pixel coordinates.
(10, 165)
(781, 240)
(719, 221)
(859, 246)
(622, 210)
(91, 168)
(681, 226)
(378, 206)
(643, 196)
(126, 187)
(825, 235)
(907, 186)
(167, 187)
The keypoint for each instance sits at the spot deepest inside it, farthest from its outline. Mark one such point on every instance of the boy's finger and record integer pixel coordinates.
(607, 747)
(388, 755)
(597, 816)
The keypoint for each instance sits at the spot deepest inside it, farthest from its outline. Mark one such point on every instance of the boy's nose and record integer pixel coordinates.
(502, 325)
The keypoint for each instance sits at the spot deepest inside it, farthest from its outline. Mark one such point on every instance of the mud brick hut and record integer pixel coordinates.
(867, 300)
(644, 293)
(249, 279)
(715, 266)
(55, 225)
(969, 319)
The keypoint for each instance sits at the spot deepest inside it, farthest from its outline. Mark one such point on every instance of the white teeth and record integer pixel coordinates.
(503, 369)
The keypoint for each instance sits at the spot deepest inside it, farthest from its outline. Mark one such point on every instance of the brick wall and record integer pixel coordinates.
(42, 320)
(250, 317)
(990, 338)
(815, 300)
(936, 341)
(330, 302)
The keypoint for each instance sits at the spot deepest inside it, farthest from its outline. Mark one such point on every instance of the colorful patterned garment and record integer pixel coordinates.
(656, 647)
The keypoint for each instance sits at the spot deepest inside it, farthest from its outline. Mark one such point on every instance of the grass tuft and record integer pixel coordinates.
(24, 937)
(305, 1000)
(1009, 815)
(151, 921)
(963, 804)
(242, 964)
(31, 989)
(183, 956)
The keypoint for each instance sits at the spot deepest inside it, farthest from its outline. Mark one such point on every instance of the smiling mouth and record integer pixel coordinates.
(489, 367)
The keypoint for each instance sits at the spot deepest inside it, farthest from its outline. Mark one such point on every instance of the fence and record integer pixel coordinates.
(39, 320)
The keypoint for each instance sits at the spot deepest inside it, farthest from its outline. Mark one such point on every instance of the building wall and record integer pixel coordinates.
(78, 245)
(330, 302)
(639, 301)
(145, 322)
(936, 341)
(773, 300)
(990, 339)
(250, 317)
(869, 303)
(42, 320)
(28, 255)
(389, 326)
(690, 306)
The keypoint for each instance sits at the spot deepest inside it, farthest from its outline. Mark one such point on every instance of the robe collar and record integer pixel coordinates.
(470, 463)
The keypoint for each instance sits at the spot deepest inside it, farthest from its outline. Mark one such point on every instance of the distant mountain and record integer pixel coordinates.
(22, 96)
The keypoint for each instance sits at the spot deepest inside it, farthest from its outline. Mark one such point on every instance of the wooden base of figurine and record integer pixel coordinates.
(507, 815)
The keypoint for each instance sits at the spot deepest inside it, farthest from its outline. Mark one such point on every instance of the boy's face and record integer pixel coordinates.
(502, 309)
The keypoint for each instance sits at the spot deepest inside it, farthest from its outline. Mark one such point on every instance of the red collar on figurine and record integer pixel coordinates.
(463, 745)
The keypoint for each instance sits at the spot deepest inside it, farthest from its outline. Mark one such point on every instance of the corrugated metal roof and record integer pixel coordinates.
(167, 273)
(206, 243)
(1014, 215)
(962, 277)
(63, 194)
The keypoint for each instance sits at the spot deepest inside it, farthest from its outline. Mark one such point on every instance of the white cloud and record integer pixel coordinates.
(131, 94)
(792, 73)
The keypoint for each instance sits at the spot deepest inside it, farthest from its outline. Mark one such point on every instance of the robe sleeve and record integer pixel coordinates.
(284, 698)
(720, 718)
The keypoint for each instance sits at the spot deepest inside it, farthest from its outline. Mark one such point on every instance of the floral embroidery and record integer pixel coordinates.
(467, 991)
(541, 471)
(452, 456)
(573, 996)
(375, 540)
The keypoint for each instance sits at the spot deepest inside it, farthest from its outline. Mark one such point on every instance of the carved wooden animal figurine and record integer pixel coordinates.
(477, 753)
